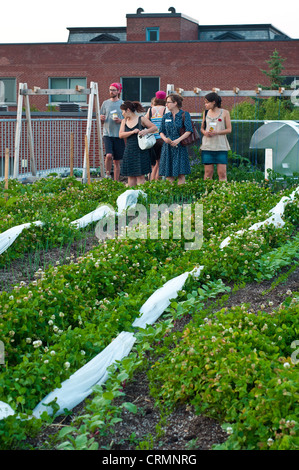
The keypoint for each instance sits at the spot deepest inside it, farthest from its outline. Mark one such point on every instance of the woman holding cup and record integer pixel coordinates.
(215, 126)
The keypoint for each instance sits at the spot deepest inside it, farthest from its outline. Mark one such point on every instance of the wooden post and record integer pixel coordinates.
(6, 171)
(72, 155)
(29, 133)
(268, 162)
(88, 128)
(87, 160)
(18, 132)
(99, 130)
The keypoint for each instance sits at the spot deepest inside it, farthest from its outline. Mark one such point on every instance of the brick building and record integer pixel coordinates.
(153, 50)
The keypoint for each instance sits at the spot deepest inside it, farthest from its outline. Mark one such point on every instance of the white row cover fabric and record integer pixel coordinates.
(93, 216)
(275, 217)
(5, 410)
(80, 384)
(128, 199)
(160, 299)
(8, 237)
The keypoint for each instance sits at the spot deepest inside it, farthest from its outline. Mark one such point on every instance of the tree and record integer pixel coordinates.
(274, 73)
(268, 108)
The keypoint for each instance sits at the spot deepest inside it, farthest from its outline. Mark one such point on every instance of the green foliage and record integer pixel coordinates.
(275, 65)
(55, 202)
(268, 108)
(236, 366)
(265, 109)
(70, 313)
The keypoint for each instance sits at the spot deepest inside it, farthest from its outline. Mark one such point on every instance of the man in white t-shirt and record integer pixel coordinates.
(111, 116)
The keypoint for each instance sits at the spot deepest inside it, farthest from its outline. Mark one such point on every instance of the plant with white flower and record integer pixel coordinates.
(67, 365)
(37, 343)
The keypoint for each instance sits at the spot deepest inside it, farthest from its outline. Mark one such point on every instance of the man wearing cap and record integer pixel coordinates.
(111, 116)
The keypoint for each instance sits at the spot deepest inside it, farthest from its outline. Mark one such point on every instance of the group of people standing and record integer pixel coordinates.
(124, 121)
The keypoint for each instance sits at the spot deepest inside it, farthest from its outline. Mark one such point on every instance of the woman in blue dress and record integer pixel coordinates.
(174, 162)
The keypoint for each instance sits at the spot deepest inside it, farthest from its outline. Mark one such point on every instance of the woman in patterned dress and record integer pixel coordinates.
(174, 162)
(136, 162)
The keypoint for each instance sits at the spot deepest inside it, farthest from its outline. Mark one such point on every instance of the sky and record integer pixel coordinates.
(32, 22)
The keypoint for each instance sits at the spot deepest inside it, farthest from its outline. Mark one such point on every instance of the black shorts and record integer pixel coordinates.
(155, 151)
(115, 146)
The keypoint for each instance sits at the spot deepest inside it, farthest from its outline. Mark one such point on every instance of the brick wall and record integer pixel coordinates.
(184, 64)
(171, 28)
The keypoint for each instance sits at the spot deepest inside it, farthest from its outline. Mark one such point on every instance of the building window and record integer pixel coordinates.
(141, 89)
(152, 34)
(66, 83)
(8, 91)
(291, 81)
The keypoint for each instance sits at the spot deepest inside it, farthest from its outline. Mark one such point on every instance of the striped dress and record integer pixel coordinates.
(155, 115)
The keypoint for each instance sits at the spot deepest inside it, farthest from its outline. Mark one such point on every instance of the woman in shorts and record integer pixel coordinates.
(215, 127)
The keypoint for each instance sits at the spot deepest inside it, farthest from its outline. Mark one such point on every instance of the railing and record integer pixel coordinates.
(52, 144)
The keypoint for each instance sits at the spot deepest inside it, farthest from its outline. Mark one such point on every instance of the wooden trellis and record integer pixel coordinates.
(258, 92)
(23, 98)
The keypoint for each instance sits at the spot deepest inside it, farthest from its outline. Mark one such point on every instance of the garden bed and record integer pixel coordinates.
(183, 429)
(91, 299)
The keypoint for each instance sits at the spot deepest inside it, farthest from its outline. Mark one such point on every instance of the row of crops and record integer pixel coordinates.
(71, 312)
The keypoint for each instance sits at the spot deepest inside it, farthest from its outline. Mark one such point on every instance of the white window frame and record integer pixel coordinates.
(293, 79)
(12, 102)
(73, 99)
